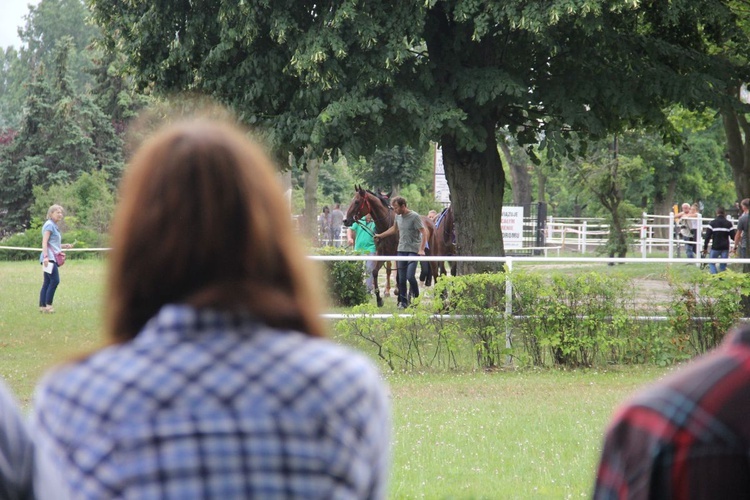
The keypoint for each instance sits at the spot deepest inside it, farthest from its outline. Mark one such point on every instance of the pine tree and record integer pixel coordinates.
(63, 135)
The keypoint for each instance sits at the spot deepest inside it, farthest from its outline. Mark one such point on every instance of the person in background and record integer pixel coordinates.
(721, 231)
(52, 246)
(688, 236)
(216, 381)
(740, 239)
(324, 226)
(686, 436)
(425, 272)
(337, 221)
(361, 236)
(412, 238)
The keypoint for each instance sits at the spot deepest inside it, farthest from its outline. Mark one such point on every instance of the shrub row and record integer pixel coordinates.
(561, 321)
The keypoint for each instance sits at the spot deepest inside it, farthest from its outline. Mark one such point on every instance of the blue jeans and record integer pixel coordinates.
(51, 280)
(689, 247)
(718, 254)
(406, 271)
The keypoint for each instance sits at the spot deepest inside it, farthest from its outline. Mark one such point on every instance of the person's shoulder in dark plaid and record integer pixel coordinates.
(687, 436)
(203, 404)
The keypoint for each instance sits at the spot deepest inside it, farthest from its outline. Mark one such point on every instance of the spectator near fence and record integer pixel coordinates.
(740, 239)
(337, 221)
(687, 232)
(324, 226)
(722, 232)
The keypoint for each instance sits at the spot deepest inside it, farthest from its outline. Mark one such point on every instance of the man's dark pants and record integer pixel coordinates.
(406, 271)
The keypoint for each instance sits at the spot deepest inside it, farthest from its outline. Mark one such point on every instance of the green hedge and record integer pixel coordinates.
(346, 279)
(586, 320)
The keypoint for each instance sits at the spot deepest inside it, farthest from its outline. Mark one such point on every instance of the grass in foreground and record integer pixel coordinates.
(525, 434)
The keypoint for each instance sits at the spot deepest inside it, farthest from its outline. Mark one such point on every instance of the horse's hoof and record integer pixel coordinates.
(380, 301)
(386, 294)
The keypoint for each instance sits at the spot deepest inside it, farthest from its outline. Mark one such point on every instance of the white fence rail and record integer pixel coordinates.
(651, 233)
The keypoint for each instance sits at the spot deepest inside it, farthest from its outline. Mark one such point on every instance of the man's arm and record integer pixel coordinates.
(350, 236)
(424, 232)
(709, 233)
(391, 230)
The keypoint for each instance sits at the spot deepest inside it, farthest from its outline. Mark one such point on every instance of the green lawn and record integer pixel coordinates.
(506, 434)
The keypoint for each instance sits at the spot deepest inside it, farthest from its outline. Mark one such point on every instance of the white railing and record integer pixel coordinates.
(583, 235)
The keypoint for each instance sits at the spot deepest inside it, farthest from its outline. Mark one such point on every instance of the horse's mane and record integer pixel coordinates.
(441, 217)
(383, 198)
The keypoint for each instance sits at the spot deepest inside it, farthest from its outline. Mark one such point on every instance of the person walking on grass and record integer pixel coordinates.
(412, 238)
(721, 231)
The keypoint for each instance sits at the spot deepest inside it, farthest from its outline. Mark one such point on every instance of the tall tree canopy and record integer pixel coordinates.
(354, 75)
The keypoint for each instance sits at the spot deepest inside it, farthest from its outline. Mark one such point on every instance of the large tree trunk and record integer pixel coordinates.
(310, 222)
(737, 131)
(476, 181)
(520, 180)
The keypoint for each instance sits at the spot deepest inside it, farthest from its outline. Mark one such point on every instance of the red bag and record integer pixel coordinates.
(60, 259)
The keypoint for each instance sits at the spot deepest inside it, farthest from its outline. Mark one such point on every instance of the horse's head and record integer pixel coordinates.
(358, 208)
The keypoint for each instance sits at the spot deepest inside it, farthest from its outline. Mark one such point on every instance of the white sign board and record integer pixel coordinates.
(442, 191)
(512, 226)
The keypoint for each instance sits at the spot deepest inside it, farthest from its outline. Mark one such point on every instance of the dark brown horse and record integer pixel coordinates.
(445, 239)
(367, 202)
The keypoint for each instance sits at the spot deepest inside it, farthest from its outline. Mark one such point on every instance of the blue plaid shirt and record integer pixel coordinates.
(203, 404)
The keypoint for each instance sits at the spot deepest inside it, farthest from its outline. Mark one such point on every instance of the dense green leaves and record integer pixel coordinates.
(355, 75)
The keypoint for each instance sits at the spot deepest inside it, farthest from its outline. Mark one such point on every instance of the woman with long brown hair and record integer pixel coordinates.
(217, 383)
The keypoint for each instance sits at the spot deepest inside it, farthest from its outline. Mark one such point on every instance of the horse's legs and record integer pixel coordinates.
(434, 270)
(375, 286)
(388, 279)
(441, 269)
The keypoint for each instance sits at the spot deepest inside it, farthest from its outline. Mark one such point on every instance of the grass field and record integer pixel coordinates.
(505, 434)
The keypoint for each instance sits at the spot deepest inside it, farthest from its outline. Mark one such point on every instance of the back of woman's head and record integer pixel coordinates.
(202, 220)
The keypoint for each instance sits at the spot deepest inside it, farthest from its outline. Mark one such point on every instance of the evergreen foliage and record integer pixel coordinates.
(63, 135)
